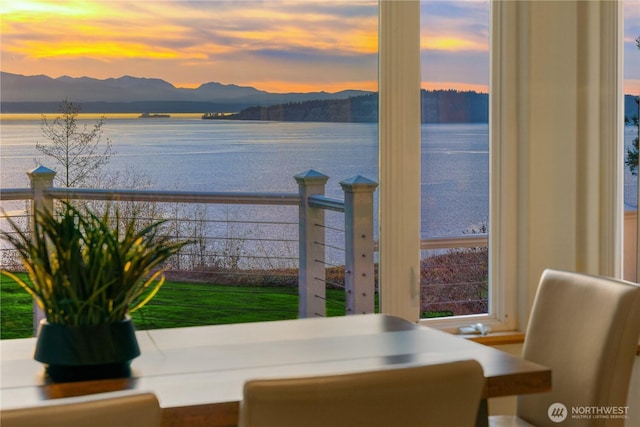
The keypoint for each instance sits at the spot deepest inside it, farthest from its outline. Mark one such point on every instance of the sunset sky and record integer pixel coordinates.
(273, 45)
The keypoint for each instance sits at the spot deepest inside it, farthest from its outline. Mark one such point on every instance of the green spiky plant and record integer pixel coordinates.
(84, 271)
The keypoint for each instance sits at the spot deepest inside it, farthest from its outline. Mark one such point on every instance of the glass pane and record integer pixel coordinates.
(455, 157)
(206, 96)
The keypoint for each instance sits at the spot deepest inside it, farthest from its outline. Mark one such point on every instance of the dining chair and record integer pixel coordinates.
(586, 329)
(131, 410)
(432, 395)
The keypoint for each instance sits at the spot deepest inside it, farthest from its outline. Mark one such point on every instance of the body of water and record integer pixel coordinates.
(188, 153)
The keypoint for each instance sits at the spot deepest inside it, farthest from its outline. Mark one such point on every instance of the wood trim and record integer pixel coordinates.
(503, 338)
(497, 338)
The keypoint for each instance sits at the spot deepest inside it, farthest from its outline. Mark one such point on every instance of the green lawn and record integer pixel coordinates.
(16, 310)
(179, 304)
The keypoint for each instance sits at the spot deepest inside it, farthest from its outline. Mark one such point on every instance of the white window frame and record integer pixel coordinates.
(541, 125)
(399, 175)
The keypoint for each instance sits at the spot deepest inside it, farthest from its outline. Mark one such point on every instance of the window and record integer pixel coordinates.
(534, 205)
(454, 38)
(221, 57)
(552, 125)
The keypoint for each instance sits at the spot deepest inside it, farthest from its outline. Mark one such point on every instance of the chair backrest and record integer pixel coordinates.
(434, 395)
(586, 329)
(132, 410)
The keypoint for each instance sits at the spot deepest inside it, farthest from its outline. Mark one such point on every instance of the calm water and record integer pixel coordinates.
(187, 153)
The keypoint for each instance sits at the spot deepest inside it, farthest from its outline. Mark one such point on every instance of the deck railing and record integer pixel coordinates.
(357, 207)
(335, 245)
(454, 276)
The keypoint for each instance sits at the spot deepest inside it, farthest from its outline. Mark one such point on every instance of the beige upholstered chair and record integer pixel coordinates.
(131, 410)
(438, 395)
(586, 330)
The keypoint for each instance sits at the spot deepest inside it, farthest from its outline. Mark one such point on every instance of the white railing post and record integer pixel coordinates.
(359, 271)
(41, 179)
(311, 269)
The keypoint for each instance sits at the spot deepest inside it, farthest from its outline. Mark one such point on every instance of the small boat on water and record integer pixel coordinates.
(153, 116)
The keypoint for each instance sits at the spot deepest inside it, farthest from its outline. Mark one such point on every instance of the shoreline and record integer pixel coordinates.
(94, 116)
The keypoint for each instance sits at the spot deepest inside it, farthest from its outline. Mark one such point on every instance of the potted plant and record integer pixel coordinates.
(88, 273)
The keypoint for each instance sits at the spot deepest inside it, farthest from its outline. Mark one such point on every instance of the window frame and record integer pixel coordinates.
(546, 118)
(400, 281)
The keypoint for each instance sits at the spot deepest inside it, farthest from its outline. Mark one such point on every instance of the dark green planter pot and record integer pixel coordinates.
(83, 353)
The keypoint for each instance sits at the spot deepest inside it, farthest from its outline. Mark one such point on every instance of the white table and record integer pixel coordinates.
(198, 372)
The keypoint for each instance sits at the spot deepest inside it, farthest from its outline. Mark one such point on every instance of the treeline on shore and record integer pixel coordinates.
(439, 106)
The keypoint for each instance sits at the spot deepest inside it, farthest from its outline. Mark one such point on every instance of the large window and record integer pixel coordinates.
(288, 48)
(555, 158)
(454, 37)
(298, 78)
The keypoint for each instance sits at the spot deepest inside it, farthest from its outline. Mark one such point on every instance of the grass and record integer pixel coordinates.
(452, 284)
(179, 304)
(16, 310)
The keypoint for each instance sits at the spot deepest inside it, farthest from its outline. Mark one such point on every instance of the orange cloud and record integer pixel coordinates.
(632, 86)
(101, 52)
(451, 43)
(276, 46)
(276, 86)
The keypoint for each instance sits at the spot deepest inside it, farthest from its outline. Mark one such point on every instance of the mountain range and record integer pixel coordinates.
(127, 94)
(39, 93)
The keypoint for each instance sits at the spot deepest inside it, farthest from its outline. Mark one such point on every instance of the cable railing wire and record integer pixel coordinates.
(261, 247)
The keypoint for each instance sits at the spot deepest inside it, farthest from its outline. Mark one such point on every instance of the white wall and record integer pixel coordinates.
(557, 107)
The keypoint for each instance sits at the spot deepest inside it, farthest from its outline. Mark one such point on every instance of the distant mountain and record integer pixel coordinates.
(40, 93)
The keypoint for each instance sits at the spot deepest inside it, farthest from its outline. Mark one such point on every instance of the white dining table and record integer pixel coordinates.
(198, 373)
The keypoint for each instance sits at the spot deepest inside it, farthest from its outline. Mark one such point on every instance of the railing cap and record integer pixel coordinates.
(358, 182)
(42, 171)
(311, 176)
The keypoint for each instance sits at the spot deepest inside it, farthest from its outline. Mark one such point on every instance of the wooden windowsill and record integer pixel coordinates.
(503, 338)
(496, 338)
